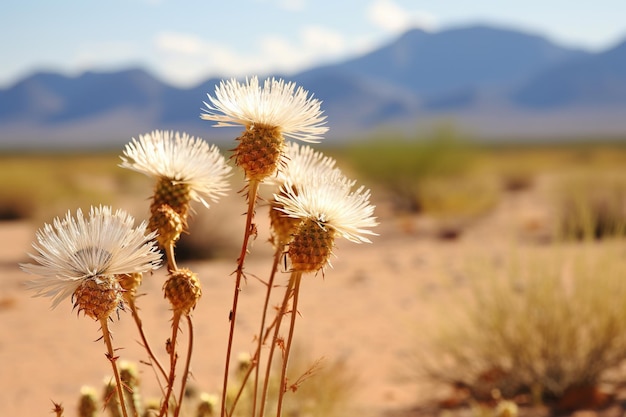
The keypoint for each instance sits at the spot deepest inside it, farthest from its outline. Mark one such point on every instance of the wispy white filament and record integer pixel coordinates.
(182, 159)
(330, 201)
(72, 250)
(276, 104)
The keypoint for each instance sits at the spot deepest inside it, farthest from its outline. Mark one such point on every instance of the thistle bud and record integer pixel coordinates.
(259, 151)
(169, 210)
(283, 226)
(311, 246)
(88, 403)
(130, 283)
(99, 297)
(183, 290)
(130, 380)
(207, 406)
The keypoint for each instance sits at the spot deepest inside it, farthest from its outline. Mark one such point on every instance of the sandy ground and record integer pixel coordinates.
(364, 311)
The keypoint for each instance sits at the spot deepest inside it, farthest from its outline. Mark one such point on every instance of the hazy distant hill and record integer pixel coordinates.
(598, 80)
(431, 64)
(494, 82)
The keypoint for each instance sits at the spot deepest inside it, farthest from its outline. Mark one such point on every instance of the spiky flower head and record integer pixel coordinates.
(302, 164)
(183, 290)
(180, 159)
(269, 113)
(84, 256)
(207, 405)
(186, 168)
(88, 402)
(328, 208)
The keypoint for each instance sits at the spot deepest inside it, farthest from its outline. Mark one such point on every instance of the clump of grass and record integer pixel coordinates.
(454, 203)
(540, 325)
(591, 206)
(400, 165)
(42, 185)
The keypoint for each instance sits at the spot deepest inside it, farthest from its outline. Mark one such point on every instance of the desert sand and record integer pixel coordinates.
(365, 311)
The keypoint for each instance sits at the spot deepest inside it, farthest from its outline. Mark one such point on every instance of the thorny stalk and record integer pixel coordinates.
(256, 358)
(183, 382)
(173, 359)
(297, 275)
(106, 334)
(275, 338)
(144, 340)
(253, 187)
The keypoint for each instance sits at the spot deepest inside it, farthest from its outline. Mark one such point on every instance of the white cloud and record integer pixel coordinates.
(323, 40)
(188, 59)
(179, 43)
(292, 5)
(312, 45)
(289, 5)
(388, 15)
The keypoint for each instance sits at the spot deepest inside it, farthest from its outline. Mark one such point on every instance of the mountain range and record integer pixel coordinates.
(492, 82)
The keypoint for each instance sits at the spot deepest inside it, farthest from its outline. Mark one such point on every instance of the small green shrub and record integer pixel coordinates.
(400, 165)
(455, 202)
(542, 323)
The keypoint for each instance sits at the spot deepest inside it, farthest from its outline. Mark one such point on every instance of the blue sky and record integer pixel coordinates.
(186, 41)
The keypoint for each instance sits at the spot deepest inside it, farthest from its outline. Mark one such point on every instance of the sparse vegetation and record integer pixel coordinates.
(544, 323)
(401, 165)
(591, 205)
(539, 323)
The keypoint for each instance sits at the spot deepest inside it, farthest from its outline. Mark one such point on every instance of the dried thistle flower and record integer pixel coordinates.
(83, 257)
(88, 402)
(207, 405)
(183, 290)
(130, 283)
(130, 379)
(269, 114)
(186, 168)
(327, 208)
(302, 164)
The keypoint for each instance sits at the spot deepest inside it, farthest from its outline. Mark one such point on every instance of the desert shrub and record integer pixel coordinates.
(542, 322)
(43, 186)
(591, 206)
(400, 164)
(454, 203)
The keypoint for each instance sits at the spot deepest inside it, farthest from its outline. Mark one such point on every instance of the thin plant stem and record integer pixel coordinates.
(173, 359)
(144, 340)
(281, 313)
(183, 382)
(106, 334)
(255, 365)
(270, 286)
(253, 188)
(171, 259)
(294, 312)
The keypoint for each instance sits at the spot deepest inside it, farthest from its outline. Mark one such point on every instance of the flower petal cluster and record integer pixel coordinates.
(302, 162)
(276, 104)
(330, 201)
(182, 159)
(75, 249)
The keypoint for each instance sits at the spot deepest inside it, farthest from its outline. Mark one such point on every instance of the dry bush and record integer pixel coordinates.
(591, 206)
(401, 164)
(544, 322)
(455, 202)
